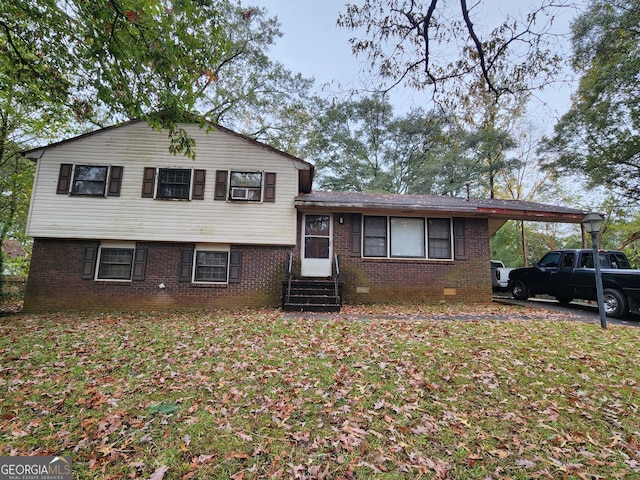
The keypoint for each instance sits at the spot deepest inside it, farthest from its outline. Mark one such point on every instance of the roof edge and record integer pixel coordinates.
(37, 152)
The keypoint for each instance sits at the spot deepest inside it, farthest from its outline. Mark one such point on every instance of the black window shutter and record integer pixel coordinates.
(186, 265)
(64, 178)
(355, 241)
(235, 267)
(89, 262)
(221, 185)
(198, 184)
(269, 187)
(139, 264)
(115, 181)
(148, 182)
(459, 240)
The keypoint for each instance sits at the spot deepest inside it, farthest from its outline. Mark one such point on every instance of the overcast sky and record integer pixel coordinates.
(314, 46)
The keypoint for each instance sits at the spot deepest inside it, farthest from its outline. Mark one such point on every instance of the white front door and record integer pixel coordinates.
(316, 246)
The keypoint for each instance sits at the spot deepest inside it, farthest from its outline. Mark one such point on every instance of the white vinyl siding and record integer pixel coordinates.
(135, 146)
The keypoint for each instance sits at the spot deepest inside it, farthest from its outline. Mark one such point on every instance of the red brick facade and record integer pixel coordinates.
(371, 280)
(55, 280)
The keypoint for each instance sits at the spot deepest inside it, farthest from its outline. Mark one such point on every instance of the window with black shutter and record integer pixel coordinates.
(89, 180)
(208, 263)
(114, 261)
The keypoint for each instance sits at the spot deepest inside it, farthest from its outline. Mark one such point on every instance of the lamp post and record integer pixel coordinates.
(592, 223)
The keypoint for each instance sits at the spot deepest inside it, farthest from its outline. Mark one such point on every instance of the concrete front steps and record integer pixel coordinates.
(310, 295)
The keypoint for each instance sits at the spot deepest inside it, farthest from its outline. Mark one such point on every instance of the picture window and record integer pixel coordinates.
(407, 237)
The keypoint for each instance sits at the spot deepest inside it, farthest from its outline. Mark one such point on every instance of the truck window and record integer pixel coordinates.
(551, 259)
(586, 260)
(568, 259)
(619, 260)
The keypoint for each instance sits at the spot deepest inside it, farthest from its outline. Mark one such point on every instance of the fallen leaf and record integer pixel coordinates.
(159, 473)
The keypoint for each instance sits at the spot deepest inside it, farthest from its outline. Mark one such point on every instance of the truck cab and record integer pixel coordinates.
(570, 274)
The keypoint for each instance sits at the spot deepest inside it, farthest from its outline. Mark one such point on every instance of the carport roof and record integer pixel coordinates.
(498, 211)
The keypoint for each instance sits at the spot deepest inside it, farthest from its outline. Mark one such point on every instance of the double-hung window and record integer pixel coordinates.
(89, 180)
(439, 238)
(407, 237)
(209, 263)
(173, 183)
(246, 186)
(375, 236)
(211, 266)
(115, 263)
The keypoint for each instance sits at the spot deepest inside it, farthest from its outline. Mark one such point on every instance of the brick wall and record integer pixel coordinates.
(369, 280)
(55, 283)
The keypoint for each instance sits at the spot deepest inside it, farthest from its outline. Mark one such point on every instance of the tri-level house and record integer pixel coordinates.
(119, 222)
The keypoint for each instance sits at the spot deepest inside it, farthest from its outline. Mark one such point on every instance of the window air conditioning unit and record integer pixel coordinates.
(240, 193)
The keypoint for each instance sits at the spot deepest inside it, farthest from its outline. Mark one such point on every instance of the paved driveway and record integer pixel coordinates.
(583, 312)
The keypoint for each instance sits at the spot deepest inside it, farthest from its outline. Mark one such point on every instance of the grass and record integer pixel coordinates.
(255, 394)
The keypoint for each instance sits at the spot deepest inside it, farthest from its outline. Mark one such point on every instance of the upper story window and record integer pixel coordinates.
(245, 186)
(407, 237)
(89, 180)
(173, 183)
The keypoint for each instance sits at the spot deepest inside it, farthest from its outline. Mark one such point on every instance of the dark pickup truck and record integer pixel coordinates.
(570, 274)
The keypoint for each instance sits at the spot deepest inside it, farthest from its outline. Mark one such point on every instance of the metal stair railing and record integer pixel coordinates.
(337, 276)
(289, 276)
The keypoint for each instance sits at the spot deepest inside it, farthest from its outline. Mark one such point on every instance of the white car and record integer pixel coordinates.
(499, 276)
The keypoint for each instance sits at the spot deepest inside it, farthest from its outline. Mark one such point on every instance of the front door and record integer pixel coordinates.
(316, 246)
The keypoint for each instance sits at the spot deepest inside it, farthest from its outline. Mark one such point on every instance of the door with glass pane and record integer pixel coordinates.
(316, 246)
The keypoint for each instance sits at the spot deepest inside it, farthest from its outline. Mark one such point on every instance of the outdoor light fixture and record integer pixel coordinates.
(592, 223)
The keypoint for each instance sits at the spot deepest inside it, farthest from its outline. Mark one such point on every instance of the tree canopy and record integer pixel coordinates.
(432, 45)
(600, 135)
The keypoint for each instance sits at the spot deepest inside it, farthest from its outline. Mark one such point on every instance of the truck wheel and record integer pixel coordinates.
(519, 290)
(615, 303)
(564, 300)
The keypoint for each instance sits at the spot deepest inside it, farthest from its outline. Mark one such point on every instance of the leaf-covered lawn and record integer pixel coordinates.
(258, 395)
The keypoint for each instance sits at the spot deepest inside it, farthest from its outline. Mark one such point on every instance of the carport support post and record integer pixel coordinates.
(593, 223)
